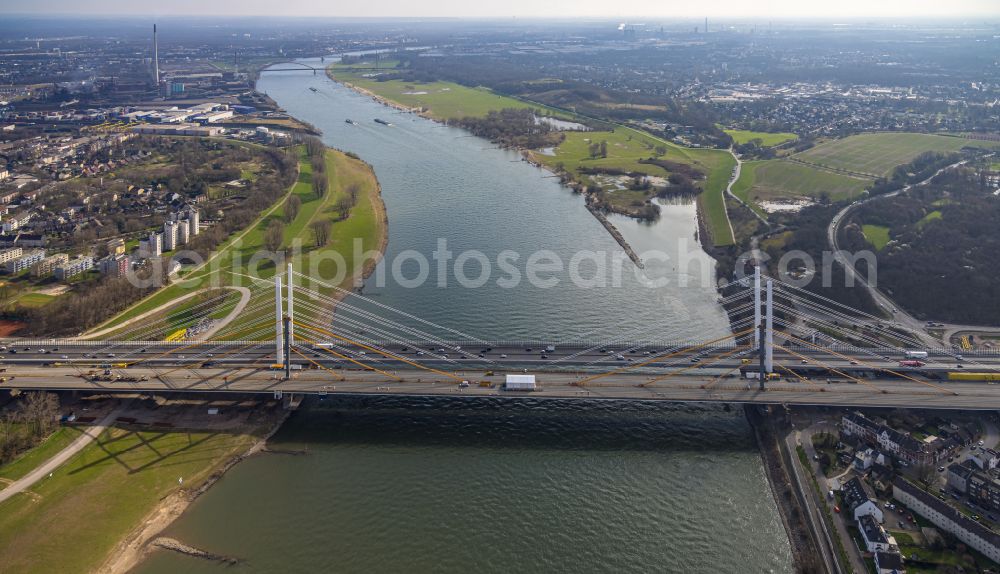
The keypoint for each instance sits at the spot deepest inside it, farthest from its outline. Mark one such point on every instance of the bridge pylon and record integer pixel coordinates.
(763, 320)
(279, 331)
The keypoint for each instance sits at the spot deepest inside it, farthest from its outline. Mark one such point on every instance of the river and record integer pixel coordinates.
(421, 485)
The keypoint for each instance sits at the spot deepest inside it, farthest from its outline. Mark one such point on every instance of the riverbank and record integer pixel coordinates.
(134, 547)
(137, 474)
(789, 498)
(590, 199)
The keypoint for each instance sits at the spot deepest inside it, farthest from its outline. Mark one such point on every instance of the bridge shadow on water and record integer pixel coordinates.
(521, 423)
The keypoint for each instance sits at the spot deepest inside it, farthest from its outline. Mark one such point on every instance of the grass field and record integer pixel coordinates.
(878, 154)
(778, 179)
(35, 299)
(877, 235)
(932, 216)
(626, 146)
(441, 100)
(80, 514)
(741, 137)
(27, 462)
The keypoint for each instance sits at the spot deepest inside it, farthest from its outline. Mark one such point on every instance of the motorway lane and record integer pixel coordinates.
(564, 358)
(698, 388)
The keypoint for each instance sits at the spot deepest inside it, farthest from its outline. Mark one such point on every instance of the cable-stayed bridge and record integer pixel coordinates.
(281, 336)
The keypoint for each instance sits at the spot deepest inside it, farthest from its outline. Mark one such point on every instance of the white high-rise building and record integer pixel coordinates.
(195, 221)
(183, 231)
(170, 236)
(152, 246)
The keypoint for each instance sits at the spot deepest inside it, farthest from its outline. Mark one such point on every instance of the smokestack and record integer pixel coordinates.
(156, 58)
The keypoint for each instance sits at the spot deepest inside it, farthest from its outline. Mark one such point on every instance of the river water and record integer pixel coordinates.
(442, 485)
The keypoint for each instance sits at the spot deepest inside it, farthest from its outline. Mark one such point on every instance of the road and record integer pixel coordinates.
(86, 437)
(881, 299)
(790, 356)
(805, 438)
(729, 188)
(704, 388)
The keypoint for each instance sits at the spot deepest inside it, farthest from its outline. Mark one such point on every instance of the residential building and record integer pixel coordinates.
(170, 236)
(948, 518)
(875, 537)
(900, 445)
(986, 458)
(194, 220)
(864, 459)
(116, 266)
(17, 221)
(959, 474)
(152, 246)
(859, 500)
(889, 563)
(116, 247)
(22, 240)
(10, 254)
(183, 232)
(25, 261)
(984, 488)
(48, 265)
(74, 267)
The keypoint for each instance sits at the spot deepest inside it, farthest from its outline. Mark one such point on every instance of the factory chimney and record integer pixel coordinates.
(156, 58)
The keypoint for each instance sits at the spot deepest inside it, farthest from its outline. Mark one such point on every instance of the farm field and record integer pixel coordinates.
(778, 179)
(767, 139)
(878, 154)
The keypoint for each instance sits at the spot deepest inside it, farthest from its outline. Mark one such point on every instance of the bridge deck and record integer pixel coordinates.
(697, 388)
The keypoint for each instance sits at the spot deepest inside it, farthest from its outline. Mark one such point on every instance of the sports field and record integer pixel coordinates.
(878, 154)
(778, 179)
(741, 137)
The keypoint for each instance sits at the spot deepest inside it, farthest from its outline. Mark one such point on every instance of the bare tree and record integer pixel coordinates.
(321, 232)
(274, 235)
(925, 474)
(292, 206)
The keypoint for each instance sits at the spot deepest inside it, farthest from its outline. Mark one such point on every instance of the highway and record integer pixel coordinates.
(800, 358)
(695, 385)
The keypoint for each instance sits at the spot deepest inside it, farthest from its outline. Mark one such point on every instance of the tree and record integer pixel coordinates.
(604, 149)
(274, 235)
(292, 206)
(320, 185)
(321, 232)
(925, 474)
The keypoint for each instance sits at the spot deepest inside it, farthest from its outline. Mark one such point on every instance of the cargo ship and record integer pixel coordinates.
(383, 122)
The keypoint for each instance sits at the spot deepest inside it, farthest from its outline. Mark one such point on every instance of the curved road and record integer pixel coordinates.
(898, 315)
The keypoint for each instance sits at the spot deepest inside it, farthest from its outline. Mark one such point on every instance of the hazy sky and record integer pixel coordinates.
(766, 9)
